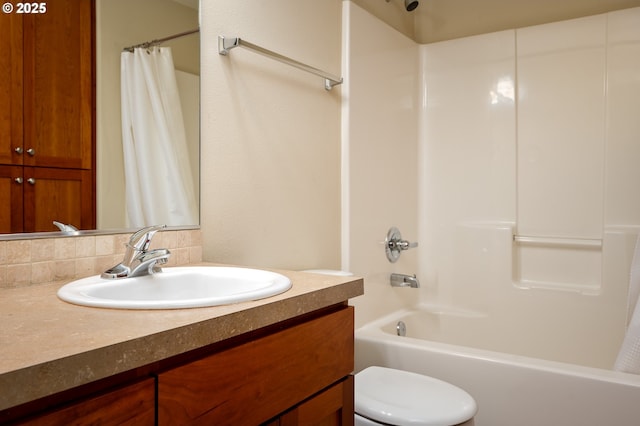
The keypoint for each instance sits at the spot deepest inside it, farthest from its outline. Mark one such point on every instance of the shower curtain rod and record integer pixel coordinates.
(160, 40)
(226, 44)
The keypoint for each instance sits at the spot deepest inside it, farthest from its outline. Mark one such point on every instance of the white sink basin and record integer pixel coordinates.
(177, 287)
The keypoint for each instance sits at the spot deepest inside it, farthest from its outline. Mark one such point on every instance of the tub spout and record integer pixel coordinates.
(402, 280)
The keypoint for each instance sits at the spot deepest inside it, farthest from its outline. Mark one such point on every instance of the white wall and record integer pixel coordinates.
(380, 117)
(270, 183)
(532, 132)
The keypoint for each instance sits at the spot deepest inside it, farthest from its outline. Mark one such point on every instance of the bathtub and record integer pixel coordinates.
(511, 390)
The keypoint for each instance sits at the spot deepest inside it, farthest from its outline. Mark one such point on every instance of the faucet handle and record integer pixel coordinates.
(141, 239)
(394, 244)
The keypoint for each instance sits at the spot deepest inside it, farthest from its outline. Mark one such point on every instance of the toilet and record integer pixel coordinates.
(385, 396)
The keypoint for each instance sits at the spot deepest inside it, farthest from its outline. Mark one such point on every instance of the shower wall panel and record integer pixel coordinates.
(530, 141)
(560, 142)
(561, 99)
(622, 155)
(468, 173)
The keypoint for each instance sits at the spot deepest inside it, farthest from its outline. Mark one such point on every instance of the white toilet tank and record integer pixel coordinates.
(401, 398)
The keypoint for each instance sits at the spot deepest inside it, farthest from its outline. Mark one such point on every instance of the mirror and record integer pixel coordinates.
(120, 24)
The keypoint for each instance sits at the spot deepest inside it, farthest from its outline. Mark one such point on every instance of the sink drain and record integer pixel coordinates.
(401, 328)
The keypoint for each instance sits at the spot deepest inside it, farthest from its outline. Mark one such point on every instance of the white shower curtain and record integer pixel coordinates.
(628, 359)
(156, 162)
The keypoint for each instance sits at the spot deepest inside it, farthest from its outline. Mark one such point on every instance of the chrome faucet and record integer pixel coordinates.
(138, 259)
(66, 229)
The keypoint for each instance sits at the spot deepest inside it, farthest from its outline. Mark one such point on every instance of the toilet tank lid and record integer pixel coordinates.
(402, 398)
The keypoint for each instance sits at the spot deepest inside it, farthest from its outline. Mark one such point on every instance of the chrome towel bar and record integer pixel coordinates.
(227, 43)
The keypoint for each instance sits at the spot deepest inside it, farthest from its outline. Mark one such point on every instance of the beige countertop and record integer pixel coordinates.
(48, 345)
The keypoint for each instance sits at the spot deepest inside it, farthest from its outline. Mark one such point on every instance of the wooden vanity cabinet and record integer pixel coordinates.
(293, 373)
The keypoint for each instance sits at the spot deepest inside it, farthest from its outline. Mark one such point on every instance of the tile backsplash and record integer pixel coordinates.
(38, 261)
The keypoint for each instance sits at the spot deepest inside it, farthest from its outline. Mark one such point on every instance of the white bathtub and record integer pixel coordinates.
(511, 390)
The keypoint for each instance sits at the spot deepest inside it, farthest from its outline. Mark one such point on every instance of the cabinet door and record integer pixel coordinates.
(332, 407)
(64, 195)
(58, 88)
(10, 88)
(10, 199)
(258, 380)
(131, 405)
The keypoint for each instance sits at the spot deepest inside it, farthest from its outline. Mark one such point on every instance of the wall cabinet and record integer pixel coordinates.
(288, 374)
(11, 94)
(47, 112)
(11, 206)
(38, 195)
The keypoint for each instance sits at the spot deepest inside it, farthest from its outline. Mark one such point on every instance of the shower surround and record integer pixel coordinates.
(511, 158)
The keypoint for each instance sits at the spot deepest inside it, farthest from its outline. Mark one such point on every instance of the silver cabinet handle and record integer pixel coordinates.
(18, 150)
(32, 181)
(31, 152)
(18, 180)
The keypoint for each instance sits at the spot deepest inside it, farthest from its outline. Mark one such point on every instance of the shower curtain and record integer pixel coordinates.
(628, 359)
(156, 162)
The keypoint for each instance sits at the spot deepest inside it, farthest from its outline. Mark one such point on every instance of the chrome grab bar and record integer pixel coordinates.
(558, 241)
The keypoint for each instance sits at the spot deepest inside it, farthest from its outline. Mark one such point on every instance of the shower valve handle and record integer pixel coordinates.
(394, 244)
(403, 244)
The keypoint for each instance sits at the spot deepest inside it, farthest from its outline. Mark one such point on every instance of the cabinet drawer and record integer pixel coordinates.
(254, 382)
(130, 405)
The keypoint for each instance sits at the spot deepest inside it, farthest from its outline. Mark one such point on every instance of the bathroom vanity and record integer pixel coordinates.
(283, 360)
